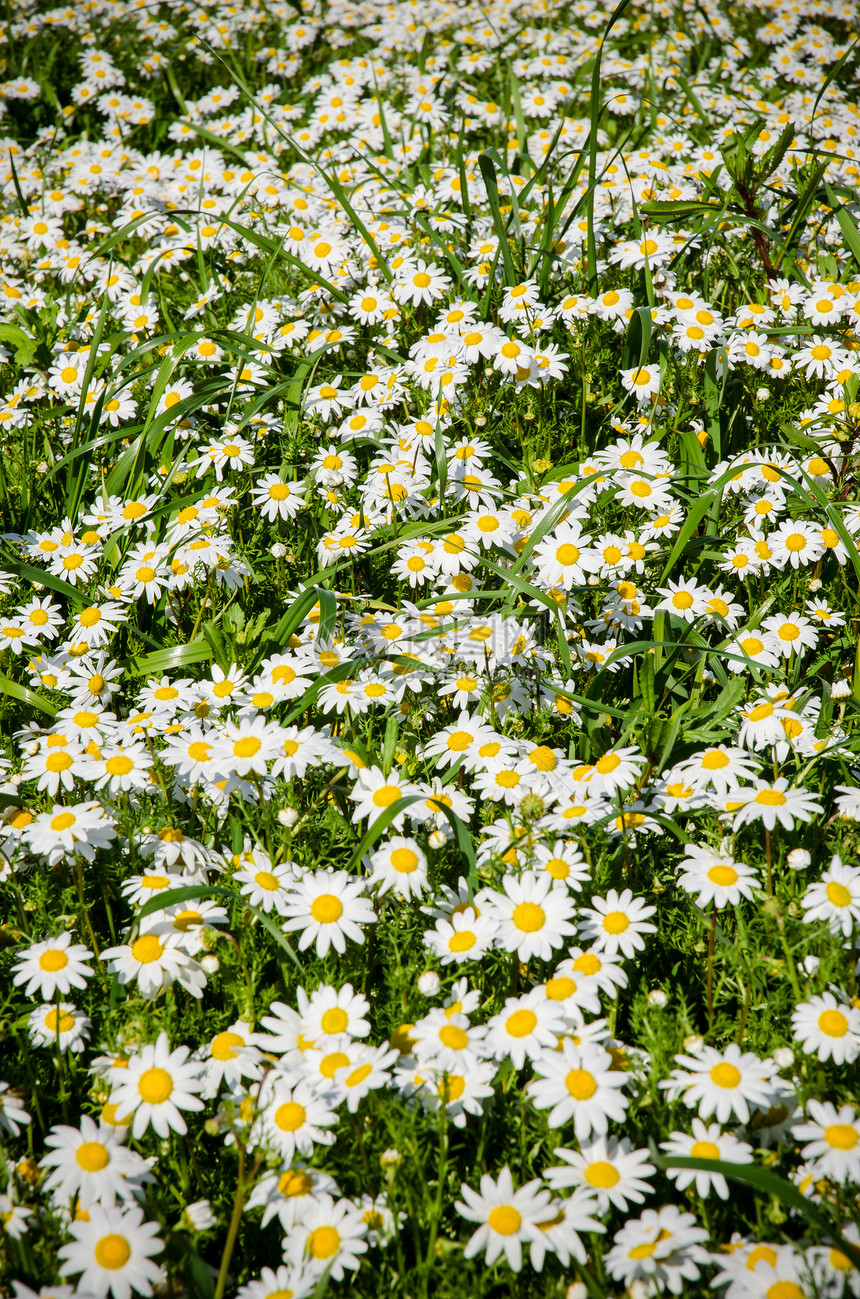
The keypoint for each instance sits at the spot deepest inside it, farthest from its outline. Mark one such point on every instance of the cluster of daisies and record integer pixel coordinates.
(390, 500)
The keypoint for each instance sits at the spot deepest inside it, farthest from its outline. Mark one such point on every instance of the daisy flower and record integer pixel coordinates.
(231, 1056)
(13, 1116)
(532, 915)
(771, 803)
(685, 599)
(55, 965)
(835, 898)
(111, 1252)
(828, 1028)
(287, 1195)
(265, 885)
(446, 1040)
(90, 1164)
(374, 792)
(707, 1141)
(247, 746)
(723, 1083)
(331, 1012)
(616, 769)
(579, 1083)
(294, 1117)
(508, 1218)
(330, 1238)
(716, 877)
(662, 1249)
(565, 559)
(60, 1026)
(563, 862)
(617, 923)
(607, 1168)
(273, 1284)
(643, 381)
(833, 1141)
(467, 936)
(791, 633)
(160, 1083)
(365, 1072)
(399, 864)
(329, 907)
(525, 1028)
(462, 1092)
(65, 831)
(154, 961)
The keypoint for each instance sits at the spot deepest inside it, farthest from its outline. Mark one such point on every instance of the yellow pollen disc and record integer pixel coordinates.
(404, 861)
(155, 1086)
(521, 1023)
(841, 1136)
(505, 1220)
(294, 1184)
(602, 1174)
(705, 1150)
(581, 1084)
(112, 1252)
(290, 1116)
(323, 1242)
(723, 876)
(224, 1046)
(615, 922)
(53, 960)
(146, 949)
(838, 894)
(725, 1075)
(92, 1156)
(833, 1023)
(326, 909)
(334, 1021)
(528, 917)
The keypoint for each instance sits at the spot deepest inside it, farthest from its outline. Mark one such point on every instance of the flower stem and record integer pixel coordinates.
(710, 992)
(233, 1229)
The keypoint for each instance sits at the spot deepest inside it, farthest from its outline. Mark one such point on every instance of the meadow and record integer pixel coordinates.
(429, 669)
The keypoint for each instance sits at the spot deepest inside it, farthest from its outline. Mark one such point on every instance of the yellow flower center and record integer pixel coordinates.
(528, 917)
(581, 1084)
(505, 1220)
(725, 1075)
(326, 909)
(521, 1023)
(290, 1116)
(112, 1252)
(92, 1156)
(53, 960)
(155, 1086)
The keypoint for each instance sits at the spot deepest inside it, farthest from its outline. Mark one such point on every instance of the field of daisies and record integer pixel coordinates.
(429, 660)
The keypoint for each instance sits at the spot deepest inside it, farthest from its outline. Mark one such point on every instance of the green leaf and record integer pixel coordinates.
(679, 209)
(379, 826)
(596, 111)
(25, 695)
(25, 346)
(296, 614)
(491, 184)
(177, 656)
(850, 233)
(27, 573)
(760, 1179)
(694, 518)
